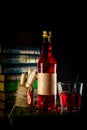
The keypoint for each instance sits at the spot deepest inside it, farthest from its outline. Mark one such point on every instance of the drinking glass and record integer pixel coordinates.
(64, 92)
(70, 96)
(76, 95)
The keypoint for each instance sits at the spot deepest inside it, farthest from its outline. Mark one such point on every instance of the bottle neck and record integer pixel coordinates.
(46, 46)
(50, 44)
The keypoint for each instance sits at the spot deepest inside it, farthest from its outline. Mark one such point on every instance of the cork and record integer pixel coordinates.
(22, 79)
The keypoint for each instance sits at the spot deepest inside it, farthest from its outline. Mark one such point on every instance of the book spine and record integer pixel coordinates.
(28, 50)
(18, 70)
(6, 105)
(7, 96)
(10, 86)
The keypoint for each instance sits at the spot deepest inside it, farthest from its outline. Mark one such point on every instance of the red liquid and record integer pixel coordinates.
(76, 101)
(65, 101)
(47, 69)
(70, 101)
(30, 98)
(46, 102)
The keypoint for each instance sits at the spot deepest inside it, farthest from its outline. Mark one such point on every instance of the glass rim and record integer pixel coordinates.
(70, 82)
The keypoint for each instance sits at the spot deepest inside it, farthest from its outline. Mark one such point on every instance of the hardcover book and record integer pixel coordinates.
(10, 96)
(4, 77)
(10, 86)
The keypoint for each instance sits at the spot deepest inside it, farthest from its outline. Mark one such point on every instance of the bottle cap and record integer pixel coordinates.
(44, 33)
(49, 33)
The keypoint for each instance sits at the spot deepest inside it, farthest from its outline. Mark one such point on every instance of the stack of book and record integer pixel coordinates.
(14, 60)
(8, 87)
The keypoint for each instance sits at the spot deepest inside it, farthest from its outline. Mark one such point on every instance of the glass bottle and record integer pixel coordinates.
(47, 75)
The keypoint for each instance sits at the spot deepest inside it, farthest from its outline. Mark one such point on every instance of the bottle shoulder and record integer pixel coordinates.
(48, 59)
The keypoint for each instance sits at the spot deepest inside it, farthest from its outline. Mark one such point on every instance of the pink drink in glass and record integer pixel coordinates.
(76, 101)
(65, 101)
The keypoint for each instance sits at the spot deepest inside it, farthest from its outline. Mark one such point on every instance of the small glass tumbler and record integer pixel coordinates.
(76, 95)
(70, 95)
(64, 92)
